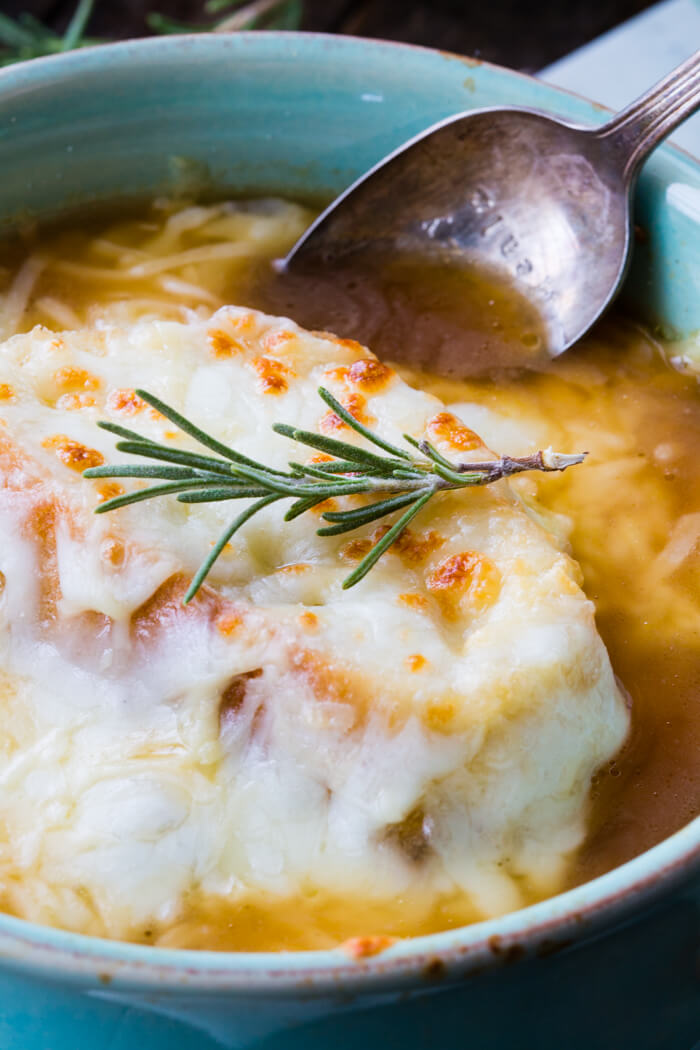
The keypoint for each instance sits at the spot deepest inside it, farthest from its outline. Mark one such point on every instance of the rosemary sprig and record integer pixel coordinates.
(26, 37)
(402, 481)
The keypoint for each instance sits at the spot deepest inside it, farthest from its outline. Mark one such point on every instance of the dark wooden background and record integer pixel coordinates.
(524, 35)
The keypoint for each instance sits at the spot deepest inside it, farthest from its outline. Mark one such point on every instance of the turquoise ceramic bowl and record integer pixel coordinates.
(612, 964)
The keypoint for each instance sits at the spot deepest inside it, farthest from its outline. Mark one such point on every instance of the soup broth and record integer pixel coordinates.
(632, 511)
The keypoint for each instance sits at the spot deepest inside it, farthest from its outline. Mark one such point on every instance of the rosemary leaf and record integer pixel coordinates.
(360, 514)
(428, 450)
(199, 435)
(333, 447)
(302, 505)
(174, 455)
(142, 494)
(353, 519)
(342, 466)
(385, 542)
(141, 471)
(148, 443)
(431, 452)
(206, 566)
(411, 472)
(211, 495)
(357, 426)
(285, 429)
(130, 435)
(314, 471)
(307, 470)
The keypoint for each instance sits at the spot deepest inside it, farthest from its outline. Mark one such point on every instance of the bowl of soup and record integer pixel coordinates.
(457, 801)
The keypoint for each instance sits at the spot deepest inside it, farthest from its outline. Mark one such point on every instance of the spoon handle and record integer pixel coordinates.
(638, 129)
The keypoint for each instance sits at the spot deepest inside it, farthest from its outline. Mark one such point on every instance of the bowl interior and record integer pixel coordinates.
(301, 116)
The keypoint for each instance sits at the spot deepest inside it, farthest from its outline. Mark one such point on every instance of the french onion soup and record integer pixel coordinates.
(502, 705)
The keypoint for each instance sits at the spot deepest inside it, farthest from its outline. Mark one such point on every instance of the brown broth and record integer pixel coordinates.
(455, 320)
(615, 389)
(615, 395)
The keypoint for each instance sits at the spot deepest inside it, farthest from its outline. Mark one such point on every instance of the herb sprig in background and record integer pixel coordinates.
(26, 37)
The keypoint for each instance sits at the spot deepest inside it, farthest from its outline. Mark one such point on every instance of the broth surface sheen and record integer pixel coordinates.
(633, 509)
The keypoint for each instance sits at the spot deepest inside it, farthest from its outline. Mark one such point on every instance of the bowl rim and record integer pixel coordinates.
(540, 930)
(550, 925)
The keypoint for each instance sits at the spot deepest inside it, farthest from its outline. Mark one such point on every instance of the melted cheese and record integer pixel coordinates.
(431, 731)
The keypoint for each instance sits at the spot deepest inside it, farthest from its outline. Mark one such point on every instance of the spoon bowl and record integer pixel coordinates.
(539, 204)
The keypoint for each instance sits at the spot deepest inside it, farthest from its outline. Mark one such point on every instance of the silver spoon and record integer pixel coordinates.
(544, 204)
